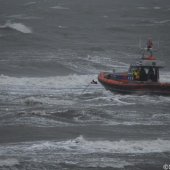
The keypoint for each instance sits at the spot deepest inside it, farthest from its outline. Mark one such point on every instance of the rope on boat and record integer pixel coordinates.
(92, 82)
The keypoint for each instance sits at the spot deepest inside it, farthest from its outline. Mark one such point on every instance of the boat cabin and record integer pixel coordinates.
(141, 78)
(146, 69)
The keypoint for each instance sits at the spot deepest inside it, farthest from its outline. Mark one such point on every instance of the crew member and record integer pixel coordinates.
(136, 74)
(151, 74)
(143, 75)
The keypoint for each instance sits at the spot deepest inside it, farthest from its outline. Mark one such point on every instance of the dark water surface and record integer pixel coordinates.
(51, 117)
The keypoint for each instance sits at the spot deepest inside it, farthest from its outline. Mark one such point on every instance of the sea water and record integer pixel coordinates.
(51, 116)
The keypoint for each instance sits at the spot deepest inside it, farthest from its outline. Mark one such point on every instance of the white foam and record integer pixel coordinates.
(9, 162)
(60, 26)
(165, 77)
(104, 162)
(164, 99)
(60, 82)
(105, 16)
(161, 116)
(147, 8)
(41, 151)
(32, 101)
(142, 8)
(146, 146)
(22, 16)
(156, 7)
(93, 64)
(108, 100)
(29, 118)
(121, 102)
(29, 3)
(137, 122)
(59, 7)
(17, 26)
(80, 151)
(81, 145)
(106, 61)
(162, 21)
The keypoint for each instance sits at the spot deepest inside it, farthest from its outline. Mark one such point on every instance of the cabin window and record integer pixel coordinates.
(145, 73)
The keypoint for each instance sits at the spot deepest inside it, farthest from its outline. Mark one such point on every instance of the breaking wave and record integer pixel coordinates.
(17, 26)
(81, 145)
(122, 146)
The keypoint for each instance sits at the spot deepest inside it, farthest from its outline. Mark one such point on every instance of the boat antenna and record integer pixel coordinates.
(140, 45)
(142, 49)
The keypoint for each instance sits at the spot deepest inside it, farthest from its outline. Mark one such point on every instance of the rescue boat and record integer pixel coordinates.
(146, 83)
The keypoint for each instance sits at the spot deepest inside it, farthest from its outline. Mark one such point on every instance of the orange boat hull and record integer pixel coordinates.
(138, 87)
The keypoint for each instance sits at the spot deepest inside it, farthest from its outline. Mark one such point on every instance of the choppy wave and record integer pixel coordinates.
(22, 17)
(119, 100)
(93, 64)
(109, 100)
(122, 146)
(74, 85)
(8, 162)
(61, 82)
(107, 61)
(32, 101)
(17, 26)
(80, 152)
(31, 118)
(82, 145)
(42, 98)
